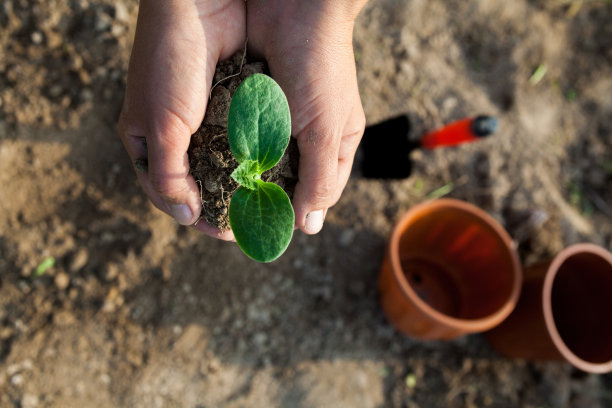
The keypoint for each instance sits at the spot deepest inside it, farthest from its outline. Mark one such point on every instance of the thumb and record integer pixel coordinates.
(308, 47)
(168, 167)
(167, 78)
(176, 47)
(319, 144)
(163, 107)
(320, 104)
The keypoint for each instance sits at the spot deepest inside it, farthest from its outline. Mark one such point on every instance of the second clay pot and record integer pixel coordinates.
(563, 312)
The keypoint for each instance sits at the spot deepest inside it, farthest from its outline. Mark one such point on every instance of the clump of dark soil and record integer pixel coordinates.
(210, 159)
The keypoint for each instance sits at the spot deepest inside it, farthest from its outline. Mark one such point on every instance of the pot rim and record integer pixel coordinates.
(553, 269)
(467, 325)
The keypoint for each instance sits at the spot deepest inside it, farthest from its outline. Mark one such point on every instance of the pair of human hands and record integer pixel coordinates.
(308, 47)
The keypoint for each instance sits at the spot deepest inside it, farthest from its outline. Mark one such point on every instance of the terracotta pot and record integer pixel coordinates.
(450, 269)
(564, 311)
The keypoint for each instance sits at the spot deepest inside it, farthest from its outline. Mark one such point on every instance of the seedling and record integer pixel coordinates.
(538, 74)
(441, 191)
(44, 266)
(259, 128)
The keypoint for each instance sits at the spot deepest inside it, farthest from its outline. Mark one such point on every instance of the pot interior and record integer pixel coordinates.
(457, 262)
(581, 300)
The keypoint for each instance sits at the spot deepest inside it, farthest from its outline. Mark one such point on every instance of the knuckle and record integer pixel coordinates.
(317, 136)
(355, 132)
(171, 130)
(321, 192)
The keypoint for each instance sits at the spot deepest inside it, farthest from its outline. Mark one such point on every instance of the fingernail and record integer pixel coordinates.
(314, 222)
(181, 213)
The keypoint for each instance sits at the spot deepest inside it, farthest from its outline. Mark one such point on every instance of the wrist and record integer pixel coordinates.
(308, 12)
(341, 12)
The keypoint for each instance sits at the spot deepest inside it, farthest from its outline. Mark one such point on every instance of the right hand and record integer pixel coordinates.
(176, 49)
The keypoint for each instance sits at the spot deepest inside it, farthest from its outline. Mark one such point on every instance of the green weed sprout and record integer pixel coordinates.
(259, 127)
(44, 266)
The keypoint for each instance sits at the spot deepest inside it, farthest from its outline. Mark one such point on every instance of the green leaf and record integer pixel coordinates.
(247, 174)
(262, 221)
(259, 122)
(538, 74)
(44, 266)
(441, 191)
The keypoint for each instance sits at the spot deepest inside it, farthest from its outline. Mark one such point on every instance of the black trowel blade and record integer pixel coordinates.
(386, 149)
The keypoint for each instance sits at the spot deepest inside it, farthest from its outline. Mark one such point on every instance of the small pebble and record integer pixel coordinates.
(217, 159)
(6, 333)
(115, 75)
(63, 318)
(13, 369)
(36, 37)
(107, 237)
(260, 339)
(346, 237)
(17, 380)
(62, 280)
(103, 21)
(111, 271)
(27, 364)
(213, 365)
(76, 62)
(87, 94)
(117, 30)
(79, 260)
(55, 91)
(29, 401)
(66, 101)
(121, 12)
(211, 185)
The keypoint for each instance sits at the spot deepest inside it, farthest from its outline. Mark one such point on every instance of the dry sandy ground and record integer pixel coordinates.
(139, 312)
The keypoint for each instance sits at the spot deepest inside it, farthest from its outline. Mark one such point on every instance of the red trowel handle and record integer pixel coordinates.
(463, 131)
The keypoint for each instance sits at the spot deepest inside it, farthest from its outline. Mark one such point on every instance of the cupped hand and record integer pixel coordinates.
(308, 47)
(176, 49)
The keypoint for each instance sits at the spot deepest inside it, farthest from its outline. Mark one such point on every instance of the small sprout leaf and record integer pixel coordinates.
(247, 174)
(441, 191)
(259, 122)
(262, 221)
(538, 74)
(44, 266)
